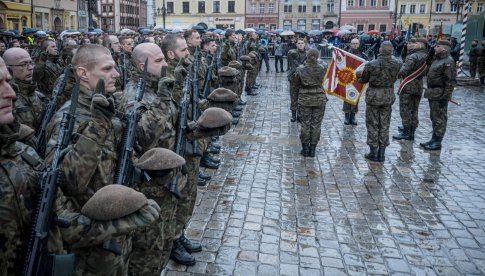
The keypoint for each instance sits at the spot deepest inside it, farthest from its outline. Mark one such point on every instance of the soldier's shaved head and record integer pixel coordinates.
(143, 51)
(20, 63)
(156, 59)
(13, 54)
(87, 54)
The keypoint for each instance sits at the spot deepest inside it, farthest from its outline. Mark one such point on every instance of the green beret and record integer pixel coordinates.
(157, 159)
(227, 71)
(214, 117)
(444, 43)
(235, 64)
(245, 58)
(113, 202)
(222, 95)
(422, 40)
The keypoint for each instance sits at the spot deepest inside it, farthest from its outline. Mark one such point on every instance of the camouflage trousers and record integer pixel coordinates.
(311, 123)
(153, 244)
(473, 69)
(185, 205)
(408, 109)
(349, 108)
(251, 78)
(99, 261)
(439, 118)
(293, 96)
(377, 121)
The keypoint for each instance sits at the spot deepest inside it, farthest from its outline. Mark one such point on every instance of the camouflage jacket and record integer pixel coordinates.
(441, 78)
(228, 53)
(201, 68)
(46, 71)
(30, 104)
(381, 74)
(414, 60)
(295, 59)
(473, 54)
(309, 78)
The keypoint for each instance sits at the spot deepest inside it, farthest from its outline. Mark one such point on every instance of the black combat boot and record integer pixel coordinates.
(235, 114)
(293, 116)
(412, 131)
(251, 92)
(238, 108)
(347, 119)
(372, 155)
(189, 245)
(381, 154)
(305, 149)
(212, 148)
(208, 163)
(241, 102)
(180, 255)
(201, 182)
(433, 138)
(352, 119)
(235, 121)
(404, 135)
(435, 145)
(311, 152)
(204, 176)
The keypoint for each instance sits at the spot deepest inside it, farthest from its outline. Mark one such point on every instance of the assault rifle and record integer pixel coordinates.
(125, 74)
(208, 79)
(124, 170)
(195, 98)
(39, 261)
(238, 52)
(51, 110)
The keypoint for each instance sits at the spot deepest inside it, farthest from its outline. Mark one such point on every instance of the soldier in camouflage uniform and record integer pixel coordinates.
(381, 74)
(127, 45)
(30, 104)
(228, 52)
(441, 83)
(411, 93)
(47, 68)
(311, 101)
(473, 55)
(349, 109)
(90, 160)
(252, 75)
(296, 57)
(113, 44)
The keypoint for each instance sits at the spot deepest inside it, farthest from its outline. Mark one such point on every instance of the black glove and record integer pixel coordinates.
(443, 103)
(102, 108)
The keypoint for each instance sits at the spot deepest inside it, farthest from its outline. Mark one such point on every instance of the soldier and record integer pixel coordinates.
(473, 54)
(113, 44)
(48, 68)
(381, 74)
(30, 104)
(481, 63)
(228, 52)
(3, 48)
(441, 83)
(311, 101)
(349, 109)
(127, 45)
(176, 51)
(411, 93)
(296, 57)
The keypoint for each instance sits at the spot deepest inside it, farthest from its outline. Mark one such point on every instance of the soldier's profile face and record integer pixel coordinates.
(182, 50)
(194, 40)
(128, 45)
(156, 61)
(104, 68)
(7, 94)
(115, 44)
(52, 48)
(212, 47)
(23, 68)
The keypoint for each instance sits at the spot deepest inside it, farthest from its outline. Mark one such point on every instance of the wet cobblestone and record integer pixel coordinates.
(269, 211)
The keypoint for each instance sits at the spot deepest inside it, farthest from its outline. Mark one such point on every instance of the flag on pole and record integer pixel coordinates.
(391, 36)
(440, 32)
(340, 80)
(408, 33)
(399, 28)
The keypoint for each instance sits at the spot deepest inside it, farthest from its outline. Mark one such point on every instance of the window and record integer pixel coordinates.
(231, 6)
(271, 8)
(403, 9)
(315, 24)
(350, 3)
(250, 25)
(110, 8)
(360, 28)
(288, 6)
(272, 27)
(185, 7)
(261, 7)
(315, 5)
(201, 6)
(330, 6)
(454, 8)
(301, 24)
(412, 9)
(286, 25)
(261, 26)
(371, 27)
(373, 3)
(252, 8)
(104, 8)
(382, 28)
(385, 3)
(479, 7)
(216, 6)
(422, 8)
(361, 3)
(169, 7)
(301, 5)
(439, 7)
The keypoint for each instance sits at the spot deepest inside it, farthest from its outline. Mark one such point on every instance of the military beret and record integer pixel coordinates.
(254, 52)
(113, 202)
(214, 117)
(227, 71)
(444, 43)
(235, 64)
(222, 95)
(157, 159)
(245, 58)
(422, 40)
(252, 55)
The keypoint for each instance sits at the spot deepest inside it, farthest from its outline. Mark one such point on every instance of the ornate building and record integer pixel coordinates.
(55, 15)
(116, 15)
(262, 14)
(15, 15)
(368, 15)
(306, 15)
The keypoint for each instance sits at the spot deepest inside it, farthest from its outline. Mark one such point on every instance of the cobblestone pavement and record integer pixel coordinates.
(269, 211)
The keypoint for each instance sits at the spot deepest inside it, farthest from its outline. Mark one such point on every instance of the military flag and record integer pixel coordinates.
(340, 80)
(440, 32)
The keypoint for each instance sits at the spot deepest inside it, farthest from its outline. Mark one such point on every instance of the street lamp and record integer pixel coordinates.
(163, 12)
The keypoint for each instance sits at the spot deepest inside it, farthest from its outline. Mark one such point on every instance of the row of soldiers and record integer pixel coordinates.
(174, 99)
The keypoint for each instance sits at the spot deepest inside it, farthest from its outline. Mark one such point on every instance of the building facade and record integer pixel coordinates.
(219, 14)
(55, 15)
(414, 14)
(306, 15)
(115, 15)
(262, 14)
(15, 15)
(368, 15)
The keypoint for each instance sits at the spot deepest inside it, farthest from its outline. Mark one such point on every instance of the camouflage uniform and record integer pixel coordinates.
(411, 94)
(381, 74)
(30, 104)
(46, 71)
(474, 53)
(295, 59)
(311, 100)
(228, 53)
(441, 82)
(347, 107)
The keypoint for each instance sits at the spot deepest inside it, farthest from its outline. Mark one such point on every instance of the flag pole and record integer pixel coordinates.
(463, 34)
